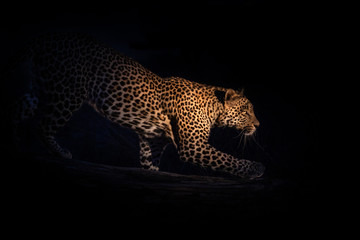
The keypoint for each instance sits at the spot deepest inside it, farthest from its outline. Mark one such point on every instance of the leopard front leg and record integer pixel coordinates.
(205, 155)
(151, 150)
(194, 148)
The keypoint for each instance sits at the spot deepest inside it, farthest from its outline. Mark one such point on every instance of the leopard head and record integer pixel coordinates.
(238, 113)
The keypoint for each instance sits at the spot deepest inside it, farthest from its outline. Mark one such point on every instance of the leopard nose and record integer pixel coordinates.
(256, 123)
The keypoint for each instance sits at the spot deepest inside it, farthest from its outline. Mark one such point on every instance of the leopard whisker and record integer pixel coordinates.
(245, 142)
(239, 135)
(242, 136)
(262, 149)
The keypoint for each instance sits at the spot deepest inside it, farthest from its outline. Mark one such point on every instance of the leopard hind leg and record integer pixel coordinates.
(55, 115)
(151, 150)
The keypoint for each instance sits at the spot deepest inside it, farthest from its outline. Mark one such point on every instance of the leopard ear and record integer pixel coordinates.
(231, 97)
(241, 92)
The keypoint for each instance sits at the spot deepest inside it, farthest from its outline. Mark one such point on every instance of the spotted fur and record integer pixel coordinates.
(72, 69)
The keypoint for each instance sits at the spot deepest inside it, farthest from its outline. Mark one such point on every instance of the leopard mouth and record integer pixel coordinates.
(249, 130)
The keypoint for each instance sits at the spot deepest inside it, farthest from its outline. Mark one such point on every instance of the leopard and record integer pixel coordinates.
(72, 69)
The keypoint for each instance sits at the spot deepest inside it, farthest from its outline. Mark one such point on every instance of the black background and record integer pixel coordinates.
(276, 52)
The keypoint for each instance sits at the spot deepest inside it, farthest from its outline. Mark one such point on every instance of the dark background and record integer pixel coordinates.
(274, 51)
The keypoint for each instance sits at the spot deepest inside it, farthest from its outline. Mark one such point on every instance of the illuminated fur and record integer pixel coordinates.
(72, 69)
